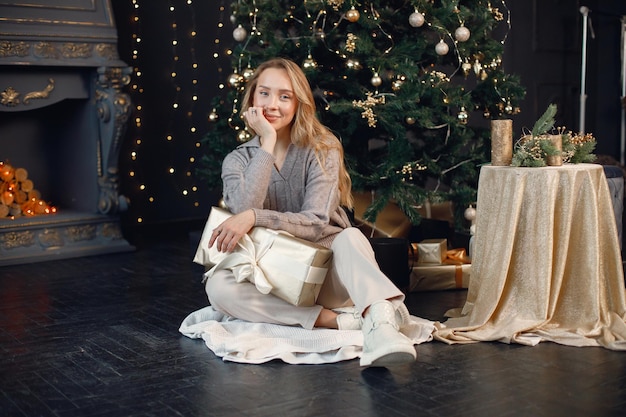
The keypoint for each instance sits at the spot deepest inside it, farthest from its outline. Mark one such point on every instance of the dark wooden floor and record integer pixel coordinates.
(98, 336)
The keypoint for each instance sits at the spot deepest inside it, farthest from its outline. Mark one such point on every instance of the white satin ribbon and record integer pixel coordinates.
(244, 263)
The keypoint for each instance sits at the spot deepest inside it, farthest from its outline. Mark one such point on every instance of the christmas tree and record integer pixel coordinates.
(407, 85)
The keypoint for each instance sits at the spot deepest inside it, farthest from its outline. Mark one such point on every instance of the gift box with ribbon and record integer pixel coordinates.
(453, 273)
(432, 251)
(390, 222)
(275, 262)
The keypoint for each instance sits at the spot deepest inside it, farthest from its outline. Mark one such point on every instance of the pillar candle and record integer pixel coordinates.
(555, 160)
(501, 142)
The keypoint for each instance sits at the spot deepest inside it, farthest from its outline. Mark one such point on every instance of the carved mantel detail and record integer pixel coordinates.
(101, 52)
(113, 110)
(10, 97)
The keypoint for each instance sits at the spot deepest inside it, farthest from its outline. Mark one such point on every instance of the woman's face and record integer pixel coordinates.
(274, 94)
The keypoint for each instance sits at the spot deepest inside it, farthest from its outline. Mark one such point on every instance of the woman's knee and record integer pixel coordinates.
(350, 235)
(219, 290)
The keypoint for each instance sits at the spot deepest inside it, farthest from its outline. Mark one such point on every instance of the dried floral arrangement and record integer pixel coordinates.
(539, 148)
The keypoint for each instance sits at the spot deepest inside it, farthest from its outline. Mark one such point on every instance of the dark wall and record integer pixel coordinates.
(604, 65)
(545, 49)
(156, 194)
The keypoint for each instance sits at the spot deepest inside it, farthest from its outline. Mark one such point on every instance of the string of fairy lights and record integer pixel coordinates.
(187, 113)
(321, 25)
(186, 120)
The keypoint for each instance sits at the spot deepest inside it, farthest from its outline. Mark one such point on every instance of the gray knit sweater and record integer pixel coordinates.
(301, 198)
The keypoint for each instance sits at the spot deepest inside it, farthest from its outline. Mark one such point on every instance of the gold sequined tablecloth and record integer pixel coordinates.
(546, 264)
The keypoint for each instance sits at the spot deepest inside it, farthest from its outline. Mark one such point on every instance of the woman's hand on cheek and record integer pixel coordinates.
(257, 122)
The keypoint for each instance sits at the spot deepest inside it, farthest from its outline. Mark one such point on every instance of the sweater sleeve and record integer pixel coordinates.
(246, 174)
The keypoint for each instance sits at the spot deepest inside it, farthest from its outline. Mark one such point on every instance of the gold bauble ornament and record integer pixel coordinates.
(397, 83)
(410, 120)
(467, 67)
(462, 116)
(243, 136)
(309, 63)
(376, 80)
(235, 79)
(353, 15)
(247, 73)
(353, 64)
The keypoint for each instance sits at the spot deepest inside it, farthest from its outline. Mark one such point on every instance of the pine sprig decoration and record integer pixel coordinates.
(578, 148)
(534, 150)
(546, 122)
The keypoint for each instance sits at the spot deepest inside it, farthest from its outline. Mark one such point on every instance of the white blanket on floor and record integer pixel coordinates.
(240, 341)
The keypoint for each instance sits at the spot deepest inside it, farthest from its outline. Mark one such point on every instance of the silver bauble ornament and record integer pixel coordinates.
(461, 34)
(442, 48)
(240, 34)
(416, 19)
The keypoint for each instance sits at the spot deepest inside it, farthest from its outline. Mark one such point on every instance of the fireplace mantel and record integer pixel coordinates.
(63, 114)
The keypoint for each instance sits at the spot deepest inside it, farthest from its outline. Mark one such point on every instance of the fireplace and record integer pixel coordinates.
(63, 114)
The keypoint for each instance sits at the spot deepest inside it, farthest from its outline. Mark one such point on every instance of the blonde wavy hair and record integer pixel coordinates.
(306, 129)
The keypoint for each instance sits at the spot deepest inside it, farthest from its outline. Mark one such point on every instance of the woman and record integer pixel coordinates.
(291, 176)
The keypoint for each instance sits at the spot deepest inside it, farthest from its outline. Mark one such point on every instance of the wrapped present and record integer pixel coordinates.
(275, 262)
(432, 251)
(437, 211)
(439, 277)
(390, 222)
(457, 256)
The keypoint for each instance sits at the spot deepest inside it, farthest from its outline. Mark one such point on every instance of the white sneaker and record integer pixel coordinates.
(348, 318)
(383, 344)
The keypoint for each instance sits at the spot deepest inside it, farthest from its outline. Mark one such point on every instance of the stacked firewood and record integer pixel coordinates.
(18, 196)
